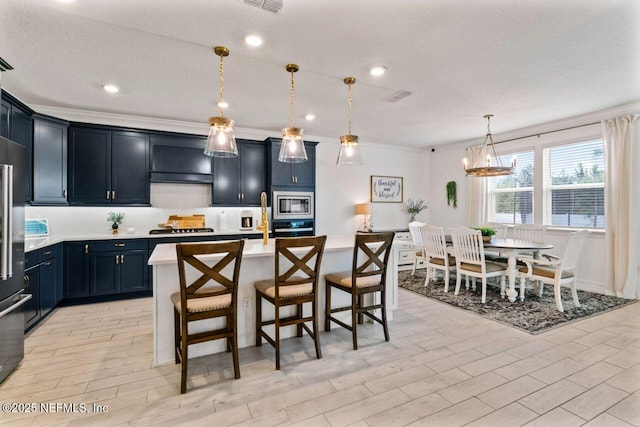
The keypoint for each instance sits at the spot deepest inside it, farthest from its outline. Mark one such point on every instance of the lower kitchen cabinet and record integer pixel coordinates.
(41, 278)
(76, 269)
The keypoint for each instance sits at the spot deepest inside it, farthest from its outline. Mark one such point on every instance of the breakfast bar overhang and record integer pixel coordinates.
(257, 264)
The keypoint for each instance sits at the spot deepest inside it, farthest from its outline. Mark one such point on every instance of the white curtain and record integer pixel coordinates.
(477, 193)
(622, 203)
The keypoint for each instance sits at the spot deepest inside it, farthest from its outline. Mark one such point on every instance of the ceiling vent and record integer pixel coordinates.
(272, 6)
(397, 96)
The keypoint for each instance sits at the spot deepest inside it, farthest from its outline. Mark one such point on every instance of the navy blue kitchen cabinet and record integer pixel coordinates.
(48, 281)
(32, 287)
(49, 160)
(292, 175)
(41, 277)
(76, 269)
(17, 125)
(108, 167)
(119, 266)
(238, 181)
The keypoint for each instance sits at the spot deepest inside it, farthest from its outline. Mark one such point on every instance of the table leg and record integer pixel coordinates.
(511, 292)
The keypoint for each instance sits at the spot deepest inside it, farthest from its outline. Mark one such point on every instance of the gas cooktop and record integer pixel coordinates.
(181, 230)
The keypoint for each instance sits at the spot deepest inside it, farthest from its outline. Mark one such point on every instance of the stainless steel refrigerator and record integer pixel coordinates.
(12, 297)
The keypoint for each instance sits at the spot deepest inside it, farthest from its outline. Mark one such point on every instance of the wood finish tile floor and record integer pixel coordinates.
(443, 367)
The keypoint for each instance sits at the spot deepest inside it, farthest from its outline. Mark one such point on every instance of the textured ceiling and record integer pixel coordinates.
(527, 62)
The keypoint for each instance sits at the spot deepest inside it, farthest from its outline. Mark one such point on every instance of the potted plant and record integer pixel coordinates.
(486, 232)
(115, 218)
(414, 207)
(452, 194)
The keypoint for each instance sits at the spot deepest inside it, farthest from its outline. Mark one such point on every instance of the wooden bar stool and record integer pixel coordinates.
(197, 302)
(369, 272)
(291, 289)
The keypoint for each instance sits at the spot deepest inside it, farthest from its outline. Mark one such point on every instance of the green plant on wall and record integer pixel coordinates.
(452, 194)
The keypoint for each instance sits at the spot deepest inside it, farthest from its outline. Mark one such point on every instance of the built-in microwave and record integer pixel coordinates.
(292, 205)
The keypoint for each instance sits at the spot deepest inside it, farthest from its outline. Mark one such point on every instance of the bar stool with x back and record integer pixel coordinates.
(292, 286)
(197, 302)
(369, 271)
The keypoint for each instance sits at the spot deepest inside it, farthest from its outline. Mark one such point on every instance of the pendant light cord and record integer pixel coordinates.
(221, 73)
(292, 99)
(350, 99)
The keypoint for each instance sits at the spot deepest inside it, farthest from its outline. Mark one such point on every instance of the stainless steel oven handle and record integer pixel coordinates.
(278, 230)
(7, 202)
(23, 299)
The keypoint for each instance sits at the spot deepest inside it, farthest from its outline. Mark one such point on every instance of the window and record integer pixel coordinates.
(574, 185)
(511, 197)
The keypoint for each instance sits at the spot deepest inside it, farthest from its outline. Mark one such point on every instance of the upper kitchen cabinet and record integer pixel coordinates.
(108, 167)
(240, 180)
(292, 174)
(180, 158)
(49, 160)
(17, 125)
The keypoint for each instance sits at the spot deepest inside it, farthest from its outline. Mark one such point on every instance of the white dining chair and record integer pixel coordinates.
(437, 257)
(470, 261)
(554, 270)
(414, 228)
(501, 229)
(529, 232)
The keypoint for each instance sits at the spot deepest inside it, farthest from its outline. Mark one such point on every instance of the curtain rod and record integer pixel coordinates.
(547, 132)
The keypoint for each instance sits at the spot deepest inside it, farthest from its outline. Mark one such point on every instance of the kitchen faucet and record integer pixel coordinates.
(264, 224)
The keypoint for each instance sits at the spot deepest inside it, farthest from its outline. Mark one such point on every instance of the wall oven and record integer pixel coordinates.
(292, 205)
(293, 228)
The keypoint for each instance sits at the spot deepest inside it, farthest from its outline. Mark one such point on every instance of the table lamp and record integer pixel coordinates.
(364, 209)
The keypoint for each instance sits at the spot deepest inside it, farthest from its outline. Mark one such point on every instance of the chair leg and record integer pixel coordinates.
(354, 318)
(574, 293)
(299, 314)
(185, 358)
(229, 339)
(466, 282)
(446, 280)
(176, 335)
(473, 284)
(384, 316)
(327, 308)
(316, 336)
(540, 288)
(234, 349)
(358, 306)
(484, 289)
(415, 263)
(458, 283)
(503, 282)
(258, 319)
(277, 337)
(556, 294)
(426, 280)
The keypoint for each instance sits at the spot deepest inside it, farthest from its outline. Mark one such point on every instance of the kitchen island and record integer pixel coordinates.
(257, 264)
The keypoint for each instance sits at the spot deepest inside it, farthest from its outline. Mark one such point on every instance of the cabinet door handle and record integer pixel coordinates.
(293, 179)
(120, 245)
(242, 198)
(117, 259)
(27, 281)
(108, 193)
(48, 263)
(47, 253)
(238, 196)
(86, 249)
(121, 259)
(113, 195)
(64, 193)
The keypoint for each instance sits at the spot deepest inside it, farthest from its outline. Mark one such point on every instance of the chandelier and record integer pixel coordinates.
(349, 149)
(221, 142)
(482, 158)
(292, 149)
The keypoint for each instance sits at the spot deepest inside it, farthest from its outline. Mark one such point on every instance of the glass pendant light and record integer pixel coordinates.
(349, 149)
(481, 165)
(221, 142)
(292, 149)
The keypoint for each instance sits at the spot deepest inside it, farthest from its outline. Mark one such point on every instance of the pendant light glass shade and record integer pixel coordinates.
(221, 142)
(481, 160)
(292, 149)
(349, 153)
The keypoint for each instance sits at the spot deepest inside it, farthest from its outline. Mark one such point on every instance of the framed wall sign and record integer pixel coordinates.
(386, 189)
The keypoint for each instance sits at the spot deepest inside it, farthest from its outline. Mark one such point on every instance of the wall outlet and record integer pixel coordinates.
(247, 303)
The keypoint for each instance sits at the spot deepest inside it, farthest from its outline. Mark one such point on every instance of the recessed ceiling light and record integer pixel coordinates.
(310, 117)
(253, 40)
(66, 1)
(223, 104)
(111, 88)
(377, 70)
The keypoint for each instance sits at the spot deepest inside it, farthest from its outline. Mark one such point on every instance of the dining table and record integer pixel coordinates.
(512, 248)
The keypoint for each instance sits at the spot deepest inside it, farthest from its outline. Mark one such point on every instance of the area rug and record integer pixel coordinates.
(535, 315)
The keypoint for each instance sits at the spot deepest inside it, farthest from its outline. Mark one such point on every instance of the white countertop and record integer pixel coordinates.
(166, 253)
(33, 243)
